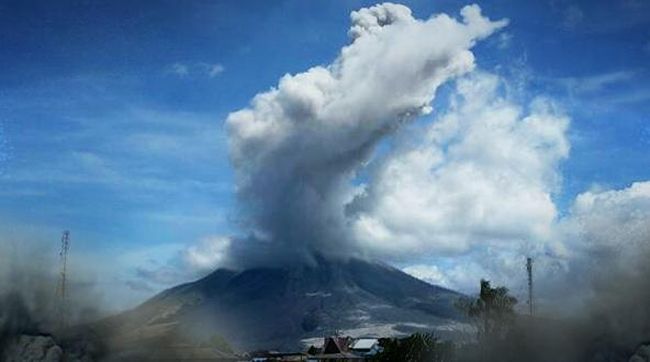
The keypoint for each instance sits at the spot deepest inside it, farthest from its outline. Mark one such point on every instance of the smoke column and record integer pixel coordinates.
(298, 147)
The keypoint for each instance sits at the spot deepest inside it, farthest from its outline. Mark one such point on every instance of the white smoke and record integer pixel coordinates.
(299, 146)
(605, 234)
(467, 197)
(208, 253)
(483, 174)
(609, 226)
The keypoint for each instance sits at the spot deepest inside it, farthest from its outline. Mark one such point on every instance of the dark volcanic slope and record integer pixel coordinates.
(277, 307)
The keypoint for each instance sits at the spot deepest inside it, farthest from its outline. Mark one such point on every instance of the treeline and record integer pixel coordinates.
(505, 336)
(493, 315)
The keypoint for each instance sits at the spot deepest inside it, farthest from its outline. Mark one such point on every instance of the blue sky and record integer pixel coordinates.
(112, 112)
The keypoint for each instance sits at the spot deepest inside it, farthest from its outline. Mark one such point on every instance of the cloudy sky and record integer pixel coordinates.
(172, 137)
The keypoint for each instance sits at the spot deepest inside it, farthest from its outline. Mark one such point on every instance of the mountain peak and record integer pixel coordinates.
(272, 307)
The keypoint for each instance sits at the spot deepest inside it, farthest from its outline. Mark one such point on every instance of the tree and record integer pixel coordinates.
(493, 311)
(419, 347)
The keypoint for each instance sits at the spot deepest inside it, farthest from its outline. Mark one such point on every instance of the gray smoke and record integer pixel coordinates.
(620, 308)
(611, 325)
(30, 311)
(608, 270)
(613, 232)
(298, 147)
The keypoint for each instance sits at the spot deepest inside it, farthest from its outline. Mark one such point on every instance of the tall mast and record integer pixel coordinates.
(529, 269)
(61, 292)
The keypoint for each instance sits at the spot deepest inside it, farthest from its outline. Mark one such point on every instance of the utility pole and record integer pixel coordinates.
(60, 290)
(529, 269)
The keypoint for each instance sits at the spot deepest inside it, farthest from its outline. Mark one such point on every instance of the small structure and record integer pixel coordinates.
(336, 349)
(366, 347)
(268, 356)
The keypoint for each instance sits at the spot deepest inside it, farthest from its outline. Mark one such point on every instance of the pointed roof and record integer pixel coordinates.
(333, 345)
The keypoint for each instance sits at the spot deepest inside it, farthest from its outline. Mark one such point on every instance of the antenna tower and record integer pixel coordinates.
(60, 290)
(529, 269)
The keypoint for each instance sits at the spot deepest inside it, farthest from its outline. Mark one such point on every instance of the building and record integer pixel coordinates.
(336, 349)
(366, 347)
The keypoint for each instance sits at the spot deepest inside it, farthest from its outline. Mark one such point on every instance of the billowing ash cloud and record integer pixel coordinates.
(613, 221)
(298, 147)
(609, 227)
(483, 174)
(209, 252)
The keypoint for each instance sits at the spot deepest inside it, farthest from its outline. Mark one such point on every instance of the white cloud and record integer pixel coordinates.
(429, 273)
(606, 92)
(504, 40)
(209, 254)
(199, 69)
(484, 173)
(604, 228)
(597, 82)
(297, 147)
(572, 17)
(180, 69)
(164, 266)
(611, 223)
(215, 70)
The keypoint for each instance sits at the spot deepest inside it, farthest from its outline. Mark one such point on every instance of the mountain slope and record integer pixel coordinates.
(278, 307)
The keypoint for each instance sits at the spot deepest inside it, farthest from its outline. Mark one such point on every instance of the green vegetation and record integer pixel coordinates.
(493, 312)
(494, 317)
(415, 348)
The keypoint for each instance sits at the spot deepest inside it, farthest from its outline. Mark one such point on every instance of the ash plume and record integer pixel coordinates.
(30, 311)
(611, 325)
(614, 248)
(27, 294)
(298, 147)
(608, 271)
(619, 310)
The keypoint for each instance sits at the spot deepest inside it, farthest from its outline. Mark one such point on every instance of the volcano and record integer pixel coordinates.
(286, 307)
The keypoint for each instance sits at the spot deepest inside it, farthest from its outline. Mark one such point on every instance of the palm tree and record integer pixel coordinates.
(493, 311)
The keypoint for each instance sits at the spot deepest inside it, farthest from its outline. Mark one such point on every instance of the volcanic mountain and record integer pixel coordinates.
(280, 307)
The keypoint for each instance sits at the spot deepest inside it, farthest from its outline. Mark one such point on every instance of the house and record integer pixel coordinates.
(336, 349)
(366, 347)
